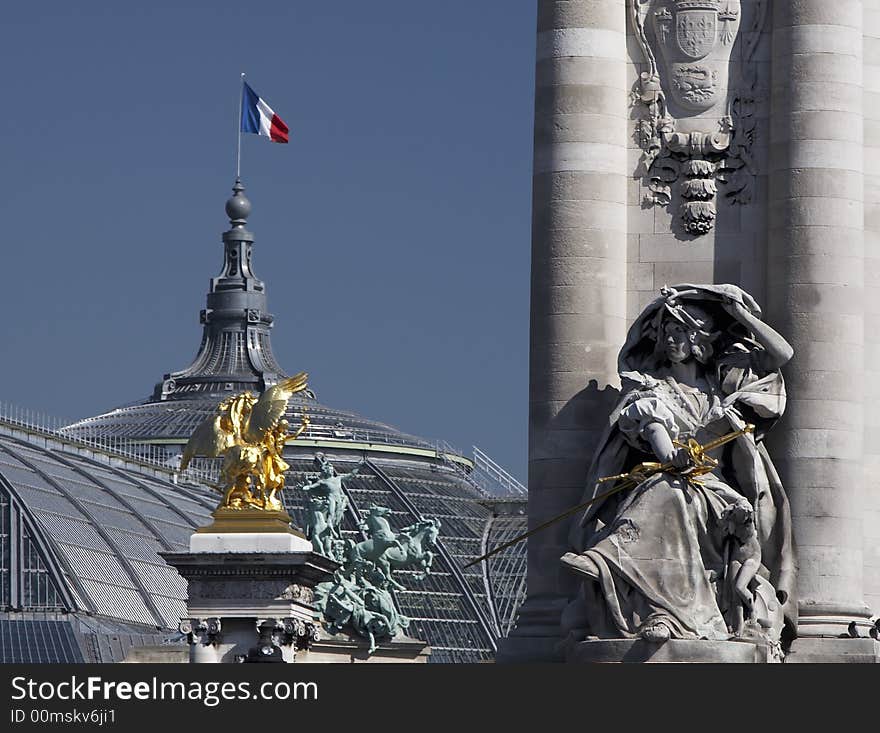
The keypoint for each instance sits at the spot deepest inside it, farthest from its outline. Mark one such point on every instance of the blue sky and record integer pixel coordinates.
(392, 232)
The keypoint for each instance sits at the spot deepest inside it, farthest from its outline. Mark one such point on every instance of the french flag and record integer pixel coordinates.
(259, 118)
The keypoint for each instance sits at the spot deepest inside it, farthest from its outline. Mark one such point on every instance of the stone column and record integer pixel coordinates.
(578, 290)
(815, 286)
(871, 512)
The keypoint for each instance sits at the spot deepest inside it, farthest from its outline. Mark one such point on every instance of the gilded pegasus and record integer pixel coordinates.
(249, 433)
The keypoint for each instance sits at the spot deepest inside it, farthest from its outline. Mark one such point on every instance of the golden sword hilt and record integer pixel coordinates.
(631, 479)
(702, 463)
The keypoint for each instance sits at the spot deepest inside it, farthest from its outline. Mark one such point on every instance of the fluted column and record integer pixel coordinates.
(815, 285)
(578, 303)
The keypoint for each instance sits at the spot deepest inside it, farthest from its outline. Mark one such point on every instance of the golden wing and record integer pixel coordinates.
(209, 439)
(272, 405)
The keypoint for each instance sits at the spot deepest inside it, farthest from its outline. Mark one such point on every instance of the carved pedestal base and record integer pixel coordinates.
(345, 649)
(536, 637)
(674, 651)
(232, 521)
(153, 654)
(250, 606)
(834, 651)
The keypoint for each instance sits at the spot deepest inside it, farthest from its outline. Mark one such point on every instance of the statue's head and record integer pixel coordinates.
(686, 330)
(379, 626)
(433, 527)
(685, 322)
(325, 468)
(738, 518)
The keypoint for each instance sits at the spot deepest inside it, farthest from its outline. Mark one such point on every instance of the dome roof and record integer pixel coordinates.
(461, 612)
(235, 355)
(173, 421)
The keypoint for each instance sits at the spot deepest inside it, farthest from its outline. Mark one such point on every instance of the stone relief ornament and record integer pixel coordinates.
(687, 45)
(275, 633)
(685, 531)
(294, 592)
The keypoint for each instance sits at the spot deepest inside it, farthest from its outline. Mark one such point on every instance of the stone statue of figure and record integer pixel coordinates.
(699, 558)
(326, 508)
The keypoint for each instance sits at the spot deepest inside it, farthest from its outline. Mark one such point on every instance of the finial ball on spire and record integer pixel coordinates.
(238, 208)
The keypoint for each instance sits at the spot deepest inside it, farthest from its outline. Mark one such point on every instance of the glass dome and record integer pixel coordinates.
(102, 496)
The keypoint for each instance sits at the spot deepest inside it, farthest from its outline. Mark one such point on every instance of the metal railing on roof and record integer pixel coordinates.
(489, 472)
(145, 454)
(118, 421)
(487, 477)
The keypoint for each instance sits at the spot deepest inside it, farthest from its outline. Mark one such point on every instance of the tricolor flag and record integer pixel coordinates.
(258, 117)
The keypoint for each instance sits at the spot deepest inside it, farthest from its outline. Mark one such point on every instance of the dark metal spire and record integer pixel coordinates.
(235, 353)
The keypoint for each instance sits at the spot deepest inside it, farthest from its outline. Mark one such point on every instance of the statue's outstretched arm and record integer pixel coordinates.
(777, 351)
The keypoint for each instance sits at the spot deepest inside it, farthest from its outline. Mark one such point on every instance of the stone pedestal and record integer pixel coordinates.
(251, 580)
(177, 654)
(345, 649)
(674, 651)
(837, 651)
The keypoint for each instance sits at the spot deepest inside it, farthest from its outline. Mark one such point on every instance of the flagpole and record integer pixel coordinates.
(238, 128)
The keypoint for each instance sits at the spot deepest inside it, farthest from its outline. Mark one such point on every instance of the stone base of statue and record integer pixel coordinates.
(673, 651)
(835, 633)
(821, 650)
(343, 648)
(536, 635)
(250, 588)
(157, 654)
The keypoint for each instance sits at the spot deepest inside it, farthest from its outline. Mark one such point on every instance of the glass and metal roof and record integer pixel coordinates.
(24, 641)
(172, 422)
(84, 535)
(85, 509)
(81, 536)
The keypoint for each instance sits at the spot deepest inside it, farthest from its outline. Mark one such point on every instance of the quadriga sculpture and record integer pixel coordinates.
(358, 600)
(693, 548)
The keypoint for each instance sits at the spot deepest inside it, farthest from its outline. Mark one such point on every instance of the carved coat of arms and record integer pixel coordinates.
(694, 38)
(688, 46)
(695, 32)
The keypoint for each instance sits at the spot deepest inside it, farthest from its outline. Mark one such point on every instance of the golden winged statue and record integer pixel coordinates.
(249, 433)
